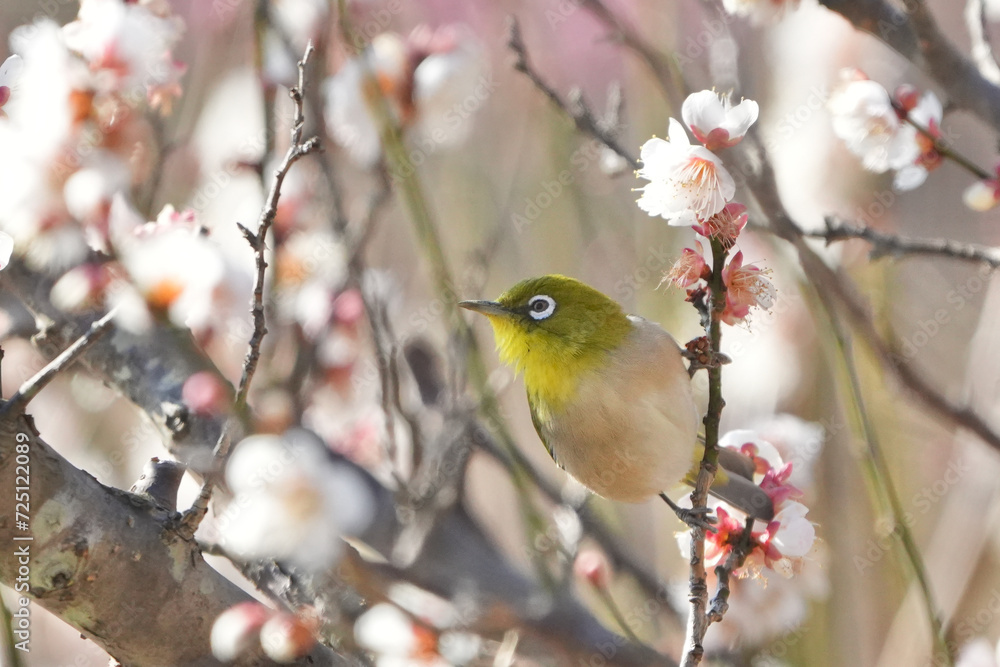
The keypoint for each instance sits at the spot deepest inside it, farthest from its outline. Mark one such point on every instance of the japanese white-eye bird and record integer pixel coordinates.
(609, 393)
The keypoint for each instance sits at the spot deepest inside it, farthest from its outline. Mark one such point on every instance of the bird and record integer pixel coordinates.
(610, 395)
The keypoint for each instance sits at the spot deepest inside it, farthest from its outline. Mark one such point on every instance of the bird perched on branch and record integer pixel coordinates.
(609, 394)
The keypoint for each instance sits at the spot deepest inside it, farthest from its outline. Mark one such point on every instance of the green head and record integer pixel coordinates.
(552, 329)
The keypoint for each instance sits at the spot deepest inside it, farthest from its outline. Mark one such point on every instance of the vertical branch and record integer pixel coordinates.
(698, 619)
(258, 242)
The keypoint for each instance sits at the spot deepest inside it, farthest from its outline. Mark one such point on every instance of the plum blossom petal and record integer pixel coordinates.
(714, 120)
(687, 183)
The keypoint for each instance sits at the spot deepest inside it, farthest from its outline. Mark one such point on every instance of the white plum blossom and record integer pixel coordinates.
(864, 118)
(714, 121)
(688, 183)
(293, 502)
(982, 195)
(397, 640)
(880, 129)
(431, 83)
(129, 42)
(177, 272)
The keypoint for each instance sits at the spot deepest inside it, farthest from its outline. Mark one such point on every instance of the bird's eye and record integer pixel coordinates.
(541, 306)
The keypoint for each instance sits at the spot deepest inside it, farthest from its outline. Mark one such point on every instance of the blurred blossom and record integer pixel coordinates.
(714, 121)
(864, 118)
(592, 566)
(286, 637)
(10, 71)
(873, 126)
(292, 501)
(81, 288)
(74, 143)
(432, 83)
(979, 653)
(983, 195)
(237, 629)
(388, 631)
(746, 287)
(177, 272)
(205, 393)
(397, 640)
(760, 11)
(182, 273)
(128, 45)
(299, 20)
(687, 183)
(41, 110)
(89, 193)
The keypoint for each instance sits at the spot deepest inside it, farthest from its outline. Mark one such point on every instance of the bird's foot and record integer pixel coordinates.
(695, 517)
(699, 353)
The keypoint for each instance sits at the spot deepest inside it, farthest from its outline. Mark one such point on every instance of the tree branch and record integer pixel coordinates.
(579, 112)
(101, 559)
(896, 246)
(30, 389)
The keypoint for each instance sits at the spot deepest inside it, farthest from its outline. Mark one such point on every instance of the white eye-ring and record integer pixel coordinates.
(541, 306)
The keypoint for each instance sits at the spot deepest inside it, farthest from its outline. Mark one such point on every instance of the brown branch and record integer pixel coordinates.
(30, 389)
(101, 560)
(578, 110)
(897, 246)
(258, 242)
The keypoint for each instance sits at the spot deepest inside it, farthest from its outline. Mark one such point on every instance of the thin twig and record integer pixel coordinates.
(944, 148)
(258, 242)
(30, 389)
(980, 48)
(890, 244)
(698, 619)
(578, 111)
(664, 69)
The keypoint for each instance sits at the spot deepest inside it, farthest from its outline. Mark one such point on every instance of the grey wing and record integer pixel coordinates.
(540, 429)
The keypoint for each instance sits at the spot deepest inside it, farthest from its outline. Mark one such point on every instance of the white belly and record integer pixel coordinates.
(630, 432)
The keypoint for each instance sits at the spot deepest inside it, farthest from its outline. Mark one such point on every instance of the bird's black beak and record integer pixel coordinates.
(485, 307)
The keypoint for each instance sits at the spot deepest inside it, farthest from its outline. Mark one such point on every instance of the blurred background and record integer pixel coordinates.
(518, 192)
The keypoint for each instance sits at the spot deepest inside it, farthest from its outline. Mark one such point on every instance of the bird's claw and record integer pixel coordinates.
(695, 517)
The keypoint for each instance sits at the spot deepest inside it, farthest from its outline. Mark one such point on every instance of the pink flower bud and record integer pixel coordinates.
(592, 565)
